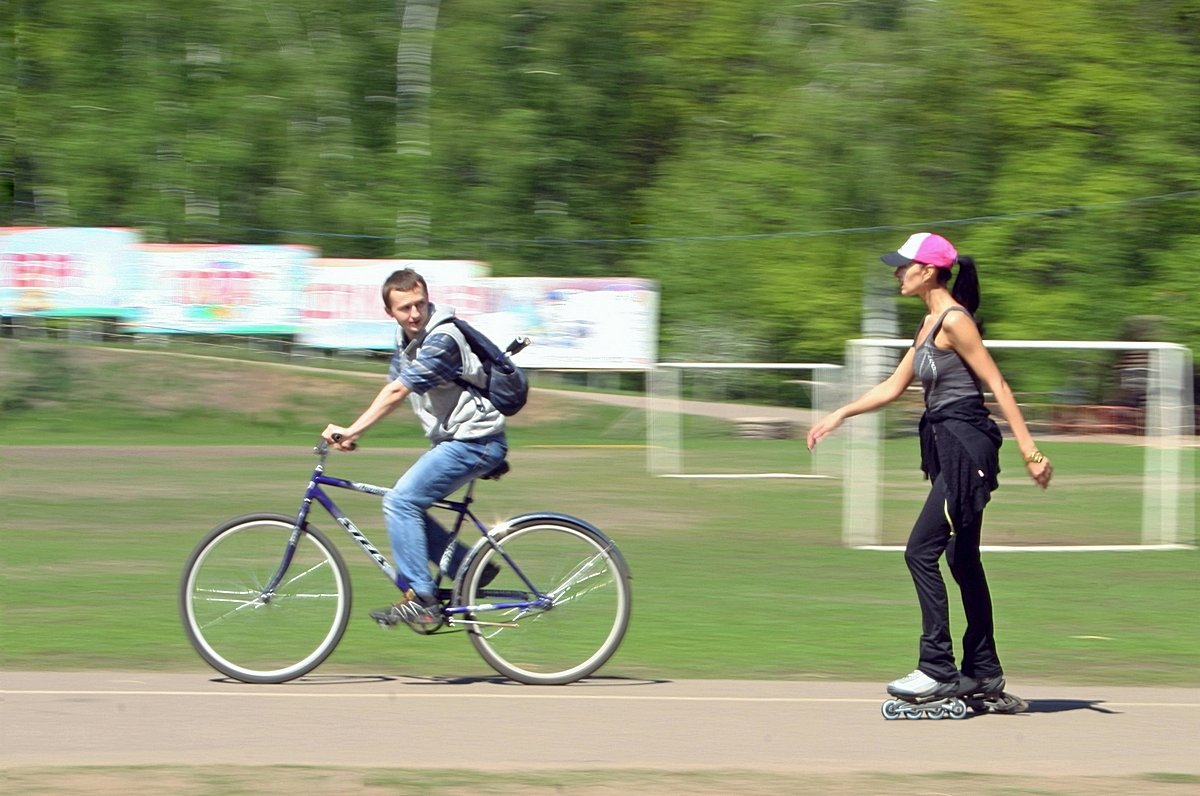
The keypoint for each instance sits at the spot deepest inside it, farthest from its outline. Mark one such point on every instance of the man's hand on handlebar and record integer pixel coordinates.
(339, 437)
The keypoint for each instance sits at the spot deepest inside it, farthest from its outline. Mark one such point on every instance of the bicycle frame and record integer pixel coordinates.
(461, 508)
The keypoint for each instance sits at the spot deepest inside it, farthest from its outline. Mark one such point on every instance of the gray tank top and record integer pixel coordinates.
(943, 374)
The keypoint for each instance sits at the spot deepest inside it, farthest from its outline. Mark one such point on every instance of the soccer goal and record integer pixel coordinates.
(1124, 467)
(739, 419)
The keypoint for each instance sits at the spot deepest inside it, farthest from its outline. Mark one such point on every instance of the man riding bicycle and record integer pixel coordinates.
(431, 362)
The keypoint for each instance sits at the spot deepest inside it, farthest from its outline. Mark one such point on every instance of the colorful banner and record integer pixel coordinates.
(578, 324)
(220, 288)
(64, 272)
(583, 324)
(343, 307)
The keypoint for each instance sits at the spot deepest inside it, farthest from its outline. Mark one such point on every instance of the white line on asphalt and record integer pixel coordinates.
(393, 694)
(577, 697)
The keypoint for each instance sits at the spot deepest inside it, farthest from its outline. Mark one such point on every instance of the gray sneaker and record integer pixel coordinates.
(987, 695)
(982, 686)
(419, 612)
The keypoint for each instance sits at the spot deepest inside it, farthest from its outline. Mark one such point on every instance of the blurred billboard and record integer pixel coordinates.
(65, 272)
(343, 307)
(575, 323)
(216, 288)
(597, 323)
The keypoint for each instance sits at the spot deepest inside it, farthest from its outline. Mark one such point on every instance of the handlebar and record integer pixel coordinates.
(322, 447)
(338, 438)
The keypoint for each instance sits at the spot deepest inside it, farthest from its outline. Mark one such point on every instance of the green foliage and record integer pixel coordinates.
(732, 138)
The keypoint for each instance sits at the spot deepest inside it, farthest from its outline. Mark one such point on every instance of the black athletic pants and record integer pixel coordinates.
(931, 536)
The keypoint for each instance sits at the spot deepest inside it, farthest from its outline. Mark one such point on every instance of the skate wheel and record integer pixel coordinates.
(890, 710)
(935, 713)
(957, 709)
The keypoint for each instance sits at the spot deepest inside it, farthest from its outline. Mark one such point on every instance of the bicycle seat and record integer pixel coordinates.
(499, 470)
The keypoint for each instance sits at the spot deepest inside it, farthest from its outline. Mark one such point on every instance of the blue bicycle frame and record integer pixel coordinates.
(461, 508)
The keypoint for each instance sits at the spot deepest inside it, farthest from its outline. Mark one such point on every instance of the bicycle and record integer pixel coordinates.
(544, 597)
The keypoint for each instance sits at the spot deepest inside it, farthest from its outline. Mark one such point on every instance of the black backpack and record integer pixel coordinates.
(507, 386)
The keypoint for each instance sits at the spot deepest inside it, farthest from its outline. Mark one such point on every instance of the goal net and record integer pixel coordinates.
(1117, 418)
(739, 419)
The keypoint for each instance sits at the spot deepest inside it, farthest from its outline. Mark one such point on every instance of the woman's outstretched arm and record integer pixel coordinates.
(878, 396)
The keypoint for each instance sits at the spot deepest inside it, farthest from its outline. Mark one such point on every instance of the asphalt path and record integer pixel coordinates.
(139, 718)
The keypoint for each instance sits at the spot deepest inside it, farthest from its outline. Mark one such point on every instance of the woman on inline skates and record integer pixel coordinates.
(960, 456)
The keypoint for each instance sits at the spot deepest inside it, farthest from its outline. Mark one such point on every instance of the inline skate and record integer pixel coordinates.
(987, 695)
(919, 696)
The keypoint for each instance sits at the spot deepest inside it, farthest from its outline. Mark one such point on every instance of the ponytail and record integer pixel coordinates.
(966, 284)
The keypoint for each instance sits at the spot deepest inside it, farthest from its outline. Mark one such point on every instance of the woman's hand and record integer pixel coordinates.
(822, 427)
(1040, 472)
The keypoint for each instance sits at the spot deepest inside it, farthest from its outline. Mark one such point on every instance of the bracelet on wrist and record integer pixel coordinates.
(1036, 457)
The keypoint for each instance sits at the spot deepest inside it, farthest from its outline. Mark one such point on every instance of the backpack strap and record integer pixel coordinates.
(458, 338)
(464, 347)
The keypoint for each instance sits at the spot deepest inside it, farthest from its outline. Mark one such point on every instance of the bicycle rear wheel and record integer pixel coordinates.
(251, 634)
(586, 610)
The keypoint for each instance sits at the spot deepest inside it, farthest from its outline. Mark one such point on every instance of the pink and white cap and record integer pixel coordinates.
(924, 247)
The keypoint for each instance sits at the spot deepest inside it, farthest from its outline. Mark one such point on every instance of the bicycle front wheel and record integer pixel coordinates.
(580, 619)
(249, 628)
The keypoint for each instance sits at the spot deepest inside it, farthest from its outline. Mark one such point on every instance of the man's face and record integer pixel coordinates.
(410, 308)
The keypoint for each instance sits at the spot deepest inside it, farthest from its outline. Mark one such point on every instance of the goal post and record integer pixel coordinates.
(750, 436)
(1169, 510)
(1165, 418)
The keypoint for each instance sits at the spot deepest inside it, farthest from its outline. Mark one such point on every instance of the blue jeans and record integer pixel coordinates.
(416, 537)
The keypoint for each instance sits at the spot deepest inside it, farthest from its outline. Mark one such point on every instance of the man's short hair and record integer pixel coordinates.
(403, 280)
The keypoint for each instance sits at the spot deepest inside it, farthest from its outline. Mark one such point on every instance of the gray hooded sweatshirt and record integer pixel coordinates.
(448, 411)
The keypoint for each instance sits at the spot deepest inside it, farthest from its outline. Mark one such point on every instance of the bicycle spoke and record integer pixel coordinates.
(303, 574)
(585, 610)
(255, 635)
(240, 604)
(574, 577)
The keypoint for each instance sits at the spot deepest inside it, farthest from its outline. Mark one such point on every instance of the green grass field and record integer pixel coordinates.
(116, 463)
